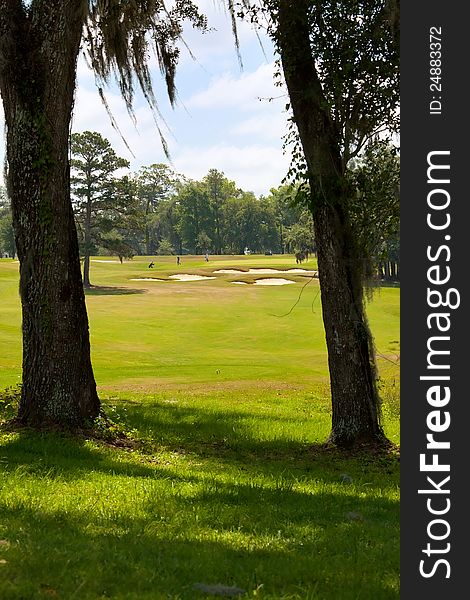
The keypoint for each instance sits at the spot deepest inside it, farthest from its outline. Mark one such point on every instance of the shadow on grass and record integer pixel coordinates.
(283, 464)
(233, 437)
(97, 290)
(389, 284)
(230, 509)
(219, 438)
(296, 546)
(54, 455)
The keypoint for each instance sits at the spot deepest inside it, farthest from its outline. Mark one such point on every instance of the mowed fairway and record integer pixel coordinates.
(148, 335)
(224, 390)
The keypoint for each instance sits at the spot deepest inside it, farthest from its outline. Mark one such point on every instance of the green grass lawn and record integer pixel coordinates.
(224, 390)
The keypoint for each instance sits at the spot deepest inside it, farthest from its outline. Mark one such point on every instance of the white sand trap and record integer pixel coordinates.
(147, 279)
(105, 261)
(240, 282)
(186, 277)
(273, 281)
(262, 271)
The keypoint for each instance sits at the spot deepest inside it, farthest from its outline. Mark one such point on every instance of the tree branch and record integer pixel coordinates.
(308, 100)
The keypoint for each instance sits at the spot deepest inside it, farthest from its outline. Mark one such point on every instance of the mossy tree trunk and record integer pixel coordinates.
(355, 401)
(38, 51)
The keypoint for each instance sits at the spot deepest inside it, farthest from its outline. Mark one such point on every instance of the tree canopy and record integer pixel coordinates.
(375, 206)
(101, 202)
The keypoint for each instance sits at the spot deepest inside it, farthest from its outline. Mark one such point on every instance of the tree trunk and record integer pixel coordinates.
(218, 248)
(355, 401)
(147, 228)
(86, 270)
(38, 51)
(387, 270)
(380, 269)
(87, 242)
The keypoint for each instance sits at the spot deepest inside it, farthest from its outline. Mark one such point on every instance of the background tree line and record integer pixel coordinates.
(156, 211)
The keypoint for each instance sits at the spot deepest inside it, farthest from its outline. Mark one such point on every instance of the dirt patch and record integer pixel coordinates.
(155, 385)
(147, 279)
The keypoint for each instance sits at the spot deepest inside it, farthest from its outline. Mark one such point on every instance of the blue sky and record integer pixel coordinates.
(219, 120)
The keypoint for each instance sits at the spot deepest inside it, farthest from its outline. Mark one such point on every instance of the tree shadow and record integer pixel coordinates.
(231, 509)
(219, 438)
(281, 541)
(97, 290)
(230, 437)
(57, 455)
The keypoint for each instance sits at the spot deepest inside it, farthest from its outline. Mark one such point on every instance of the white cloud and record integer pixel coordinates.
(142, 136)
(216, 49)
(244, 92)
(271, 125)
(254, 167)
(256, 163)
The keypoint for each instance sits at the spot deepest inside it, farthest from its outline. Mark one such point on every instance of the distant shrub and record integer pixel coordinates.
(9, 402)
(165, 248)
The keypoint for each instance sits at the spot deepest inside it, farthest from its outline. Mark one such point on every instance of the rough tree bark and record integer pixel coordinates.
(355, 401)
(38, 51)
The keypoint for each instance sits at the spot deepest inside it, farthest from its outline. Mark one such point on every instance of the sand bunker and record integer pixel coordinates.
(261, 271)
(273, 281)
(268, 281)
(186, 277)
